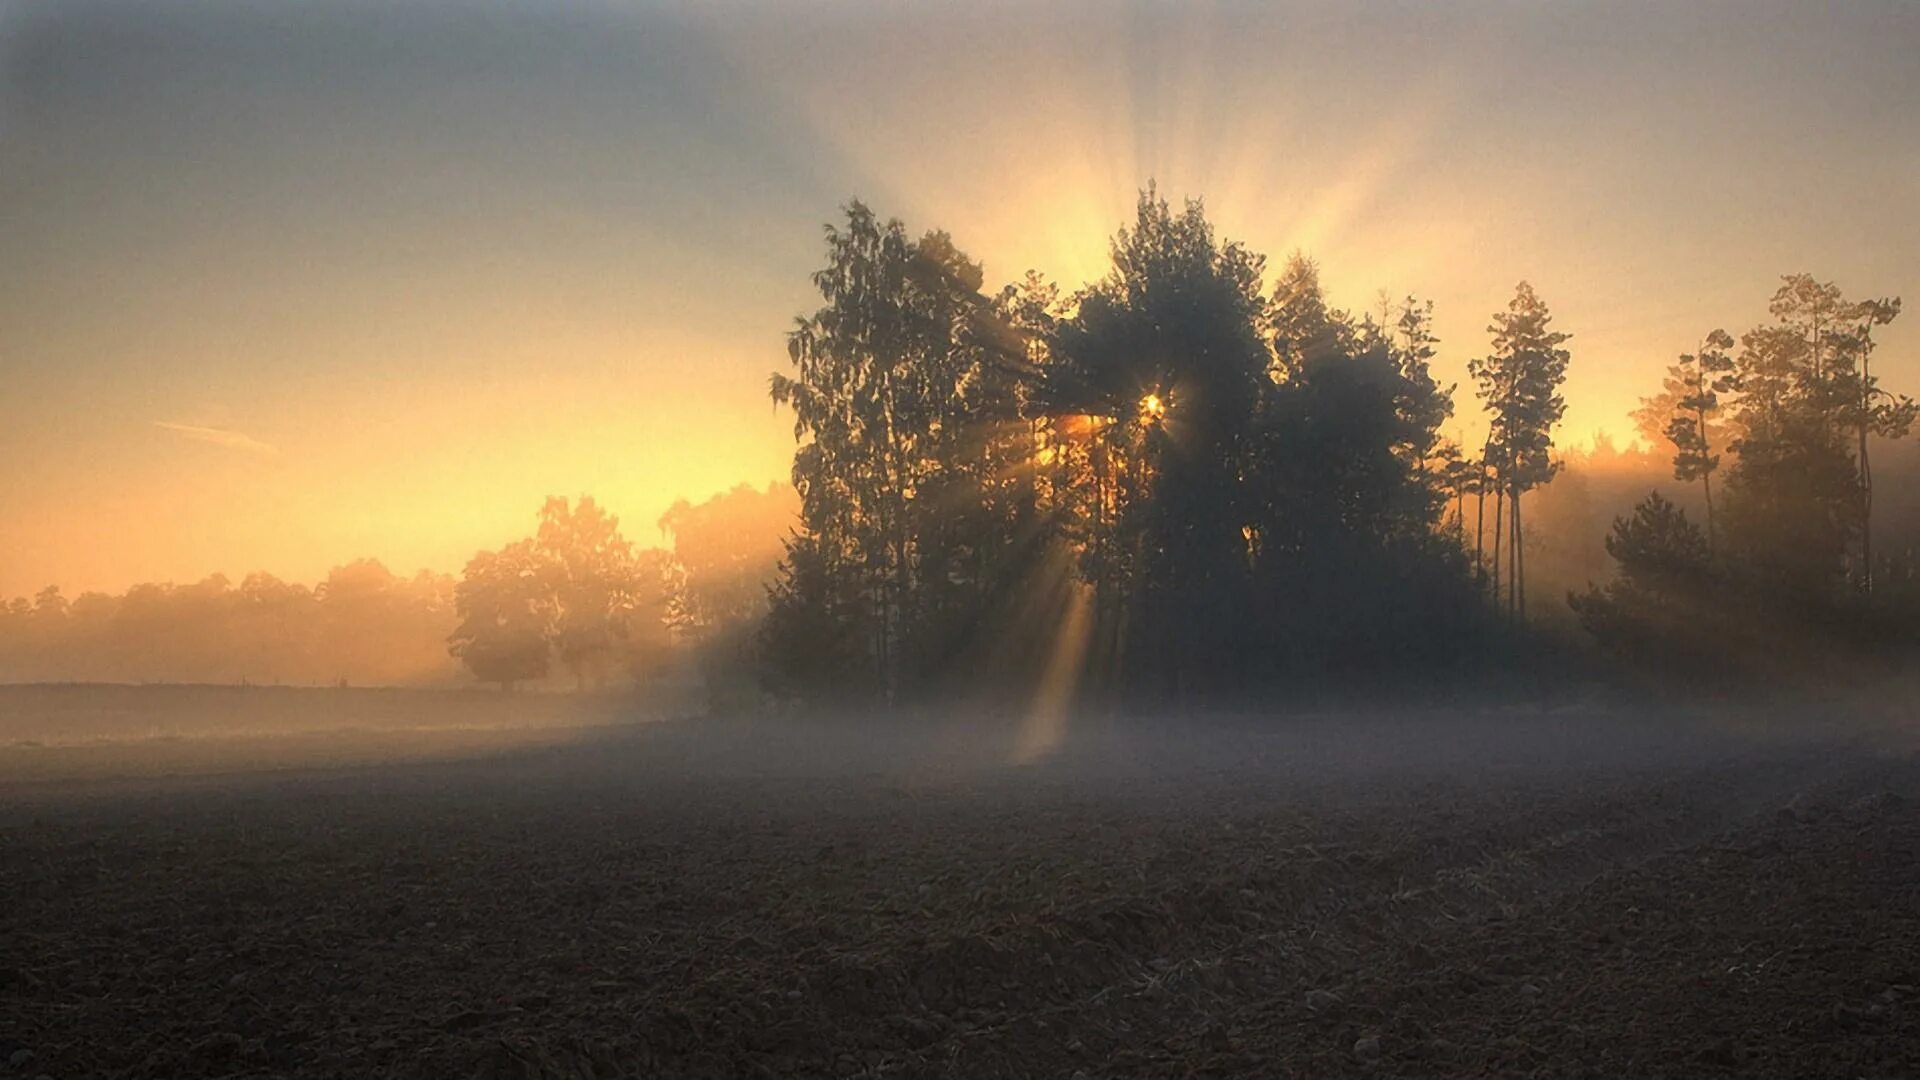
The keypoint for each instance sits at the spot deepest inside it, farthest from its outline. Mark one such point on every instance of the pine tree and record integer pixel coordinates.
(1803, 408)
(1518, 383)
(1694, 385)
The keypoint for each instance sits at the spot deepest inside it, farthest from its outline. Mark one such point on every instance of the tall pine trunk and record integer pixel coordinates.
(1866, 502)
(1706, 488)
(1519, 561)
(1513, 562)
(1479, 528)
(1499, 537)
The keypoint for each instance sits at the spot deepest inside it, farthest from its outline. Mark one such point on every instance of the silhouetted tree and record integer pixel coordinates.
(1250, 485)
(1519, 386)
(1800, 406)
(816, 635)
(1165, 366)
(906, 397)
(1803, 399)
(1657, 612)
(1692, 403)
(1876, 413)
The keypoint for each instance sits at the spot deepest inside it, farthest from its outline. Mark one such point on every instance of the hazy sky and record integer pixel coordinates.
(283, 284)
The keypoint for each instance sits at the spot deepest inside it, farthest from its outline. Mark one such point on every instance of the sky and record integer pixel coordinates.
(283, 285)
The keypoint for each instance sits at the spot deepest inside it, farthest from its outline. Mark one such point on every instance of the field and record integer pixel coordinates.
(1511, 892)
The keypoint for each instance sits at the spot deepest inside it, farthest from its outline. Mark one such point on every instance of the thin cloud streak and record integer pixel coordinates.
(231, 440)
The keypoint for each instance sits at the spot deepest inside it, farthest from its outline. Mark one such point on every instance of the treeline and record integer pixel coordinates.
(363, 624)
(525, 614)
(1182, 480)
(1188, 478)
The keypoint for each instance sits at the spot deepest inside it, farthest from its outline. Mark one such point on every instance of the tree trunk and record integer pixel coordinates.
(1499, 538)
(1706, 488)
(1479, 527)
(1519, 561)
(1512, 562)
(1706, 470)
(1866, 503)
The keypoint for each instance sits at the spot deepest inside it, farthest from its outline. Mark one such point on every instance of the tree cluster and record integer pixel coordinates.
(1176, 475)
(575, 599)
(1786, 563)
(578, 593)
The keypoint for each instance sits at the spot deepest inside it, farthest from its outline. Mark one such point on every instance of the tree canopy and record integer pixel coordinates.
(1240, 483)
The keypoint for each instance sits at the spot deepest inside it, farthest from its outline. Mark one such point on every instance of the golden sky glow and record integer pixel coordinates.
(285, 286)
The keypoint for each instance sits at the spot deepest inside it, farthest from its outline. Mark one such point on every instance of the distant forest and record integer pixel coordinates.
(1188, 478)
(575, 605)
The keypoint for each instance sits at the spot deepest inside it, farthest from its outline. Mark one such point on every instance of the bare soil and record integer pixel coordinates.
(1532, 893)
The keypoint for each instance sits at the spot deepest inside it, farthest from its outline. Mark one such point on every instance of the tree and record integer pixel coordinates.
(814, 639)
(1803, 407)
(1693, 388)
(593, 583)
(729, 548)
(277, 621)
(1796, 407)
(906, 394)
(48, 603)
(1876, 414)
(1657, 611)
(1162, 368)
(505, 604)
(1220, 484)
(1658, 548)
(1424, 405)
(576, 590)
(651, 632)
(1519, 385)
(1301, 325)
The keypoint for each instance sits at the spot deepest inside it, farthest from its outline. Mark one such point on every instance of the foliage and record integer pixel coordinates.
(362, 625)
(908, 404)
(1518, 384)
(576, 591)
(1803, 406)
(1651, 613)
(728, 548)
(1800, 408)
(1248, 484)
(507, 616)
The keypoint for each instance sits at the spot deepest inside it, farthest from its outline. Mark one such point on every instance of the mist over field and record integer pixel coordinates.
(547, 542)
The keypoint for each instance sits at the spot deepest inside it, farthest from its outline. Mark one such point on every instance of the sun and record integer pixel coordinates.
(1153, 409)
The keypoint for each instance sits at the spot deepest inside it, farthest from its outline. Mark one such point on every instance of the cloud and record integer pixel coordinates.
(232, 440)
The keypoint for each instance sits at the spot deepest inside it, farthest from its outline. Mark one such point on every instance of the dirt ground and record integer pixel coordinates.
(1528, 893)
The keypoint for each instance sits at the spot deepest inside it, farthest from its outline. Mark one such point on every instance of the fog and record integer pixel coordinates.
(58, 735)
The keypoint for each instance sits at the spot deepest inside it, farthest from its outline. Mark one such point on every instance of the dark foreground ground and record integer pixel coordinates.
(1526, 893)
